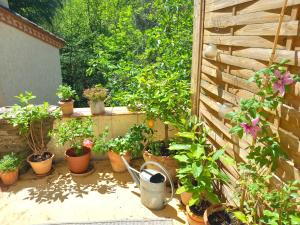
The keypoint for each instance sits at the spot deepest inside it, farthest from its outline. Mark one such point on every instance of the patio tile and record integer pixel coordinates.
(61, 198)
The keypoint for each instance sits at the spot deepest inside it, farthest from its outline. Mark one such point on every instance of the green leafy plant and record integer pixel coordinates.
(10, 162)
(282, 205)
(199, 170)
(74, 132)
(66, 93)
(133, 141)
(97, 93)
(251, 118)
(30, 120)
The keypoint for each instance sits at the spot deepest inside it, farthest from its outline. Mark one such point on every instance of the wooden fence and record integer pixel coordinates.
(244, 32)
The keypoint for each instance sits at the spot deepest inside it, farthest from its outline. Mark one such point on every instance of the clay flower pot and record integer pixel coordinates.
(78, 164)
(192, 218)
(42, 167)
(185, 197)
(210, 210)
(97, 107)
(9, 178)
(66, 107)
(167, 162)
(117, 162)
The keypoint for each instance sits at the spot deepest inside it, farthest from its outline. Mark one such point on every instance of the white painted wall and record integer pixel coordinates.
(27, 63)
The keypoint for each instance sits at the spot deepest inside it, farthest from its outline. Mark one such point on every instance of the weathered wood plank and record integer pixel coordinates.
(221, 4)
(243, 41)
(222, 21)
(264, 5)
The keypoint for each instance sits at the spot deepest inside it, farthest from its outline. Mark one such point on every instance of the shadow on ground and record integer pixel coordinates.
(61, 184)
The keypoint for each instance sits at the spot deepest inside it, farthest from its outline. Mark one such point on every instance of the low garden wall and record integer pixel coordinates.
(117, 119)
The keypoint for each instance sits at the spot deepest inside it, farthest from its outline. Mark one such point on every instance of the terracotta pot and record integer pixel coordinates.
(167, 162)
(117, 162)
(210, 210)
(66, 107)
(192, 218)
(97, 107)
(9, 178)
(43, 167)
(185, 197)
(78, 164)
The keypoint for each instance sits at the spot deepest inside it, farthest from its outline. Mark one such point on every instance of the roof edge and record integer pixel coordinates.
(19, 22)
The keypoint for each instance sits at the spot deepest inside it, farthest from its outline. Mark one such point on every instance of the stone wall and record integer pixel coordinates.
(117, 119)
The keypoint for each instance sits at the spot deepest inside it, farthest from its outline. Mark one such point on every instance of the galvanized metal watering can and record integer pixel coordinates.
(152, 184)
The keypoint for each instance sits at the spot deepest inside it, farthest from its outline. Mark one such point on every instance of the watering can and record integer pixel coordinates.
(152, 184)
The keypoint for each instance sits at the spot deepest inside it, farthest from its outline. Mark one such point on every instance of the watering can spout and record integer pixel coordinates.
(133, 172)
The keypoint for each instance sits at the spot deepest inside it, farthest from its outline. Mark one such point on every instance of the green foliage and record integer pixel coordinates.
(27, 117)
(198, 169)
(133, 141)
(66, 93)
(283, 205)
(10, 162)
(73, 132)
(97, 93)
(41, 12)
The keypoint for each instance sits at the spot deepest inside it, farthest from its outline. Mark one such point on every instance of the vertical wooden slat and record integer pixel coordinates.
(199, 10)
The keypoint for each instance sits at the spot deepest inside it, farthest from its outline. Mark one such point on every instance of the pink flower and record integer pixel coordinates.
(283, 80)
(251, 129)
(88, 143)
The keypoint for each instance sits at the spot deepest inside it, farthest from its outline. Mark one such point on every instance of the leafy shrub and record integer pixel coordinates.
(66, 93)
(97, 93)
(10, 162)
(30, 119)
(73, 132)
(133, 141)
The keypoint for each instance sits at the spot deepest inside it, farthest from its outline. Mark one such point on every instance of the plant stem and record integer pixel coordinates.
(166, 132)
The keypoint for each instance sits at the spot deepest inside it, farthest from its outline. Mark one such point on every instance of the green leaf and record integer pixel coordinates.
(240, 216)
(218, 154)
(181, 190)
(180, 147)
(196, 170)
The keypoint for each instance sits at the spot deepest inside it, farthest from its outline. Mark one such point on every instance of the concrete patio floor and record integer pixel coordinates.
(60, 197)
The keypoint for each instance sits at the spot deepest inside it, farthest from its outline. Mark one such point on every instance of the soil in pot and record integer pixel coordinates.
(223, 217)
(195, 213)
(40, 158)
(41, 164)
(78, 163)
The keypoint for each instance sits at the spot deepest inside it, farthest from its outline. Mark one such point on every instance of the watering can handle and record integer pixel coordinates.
(166, 173)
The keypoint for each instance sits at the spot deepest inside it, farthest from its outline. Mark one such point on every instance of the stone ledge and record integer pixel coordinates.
(109, 111)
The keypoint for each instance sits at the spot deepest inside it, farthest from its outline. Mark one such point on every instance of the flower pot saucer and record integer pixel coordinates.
(90, 170)
(44, 175)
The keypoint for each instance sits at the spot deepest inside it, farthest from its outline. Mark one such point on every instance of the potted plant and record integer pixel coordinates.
(31, 121)
(96, 96)
(158, 151)
(9, 168)
(198, 172)
(74, 132)
(130, 145)
(66, 95)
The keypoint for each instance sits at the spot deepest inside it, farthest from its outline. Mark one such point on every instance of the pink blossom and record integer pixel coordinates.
(88, 143)
(251, 129)
(283, 80)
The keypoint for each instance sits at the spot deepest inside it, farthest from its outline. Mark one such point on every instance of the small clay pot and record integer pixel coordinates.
(78, 164)
(185, 197)
(66, 107)
(194, 219)
(210, 210)
(43, 167)
(9, 178)
(170, 164)
(97, 107)
(116, 161)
